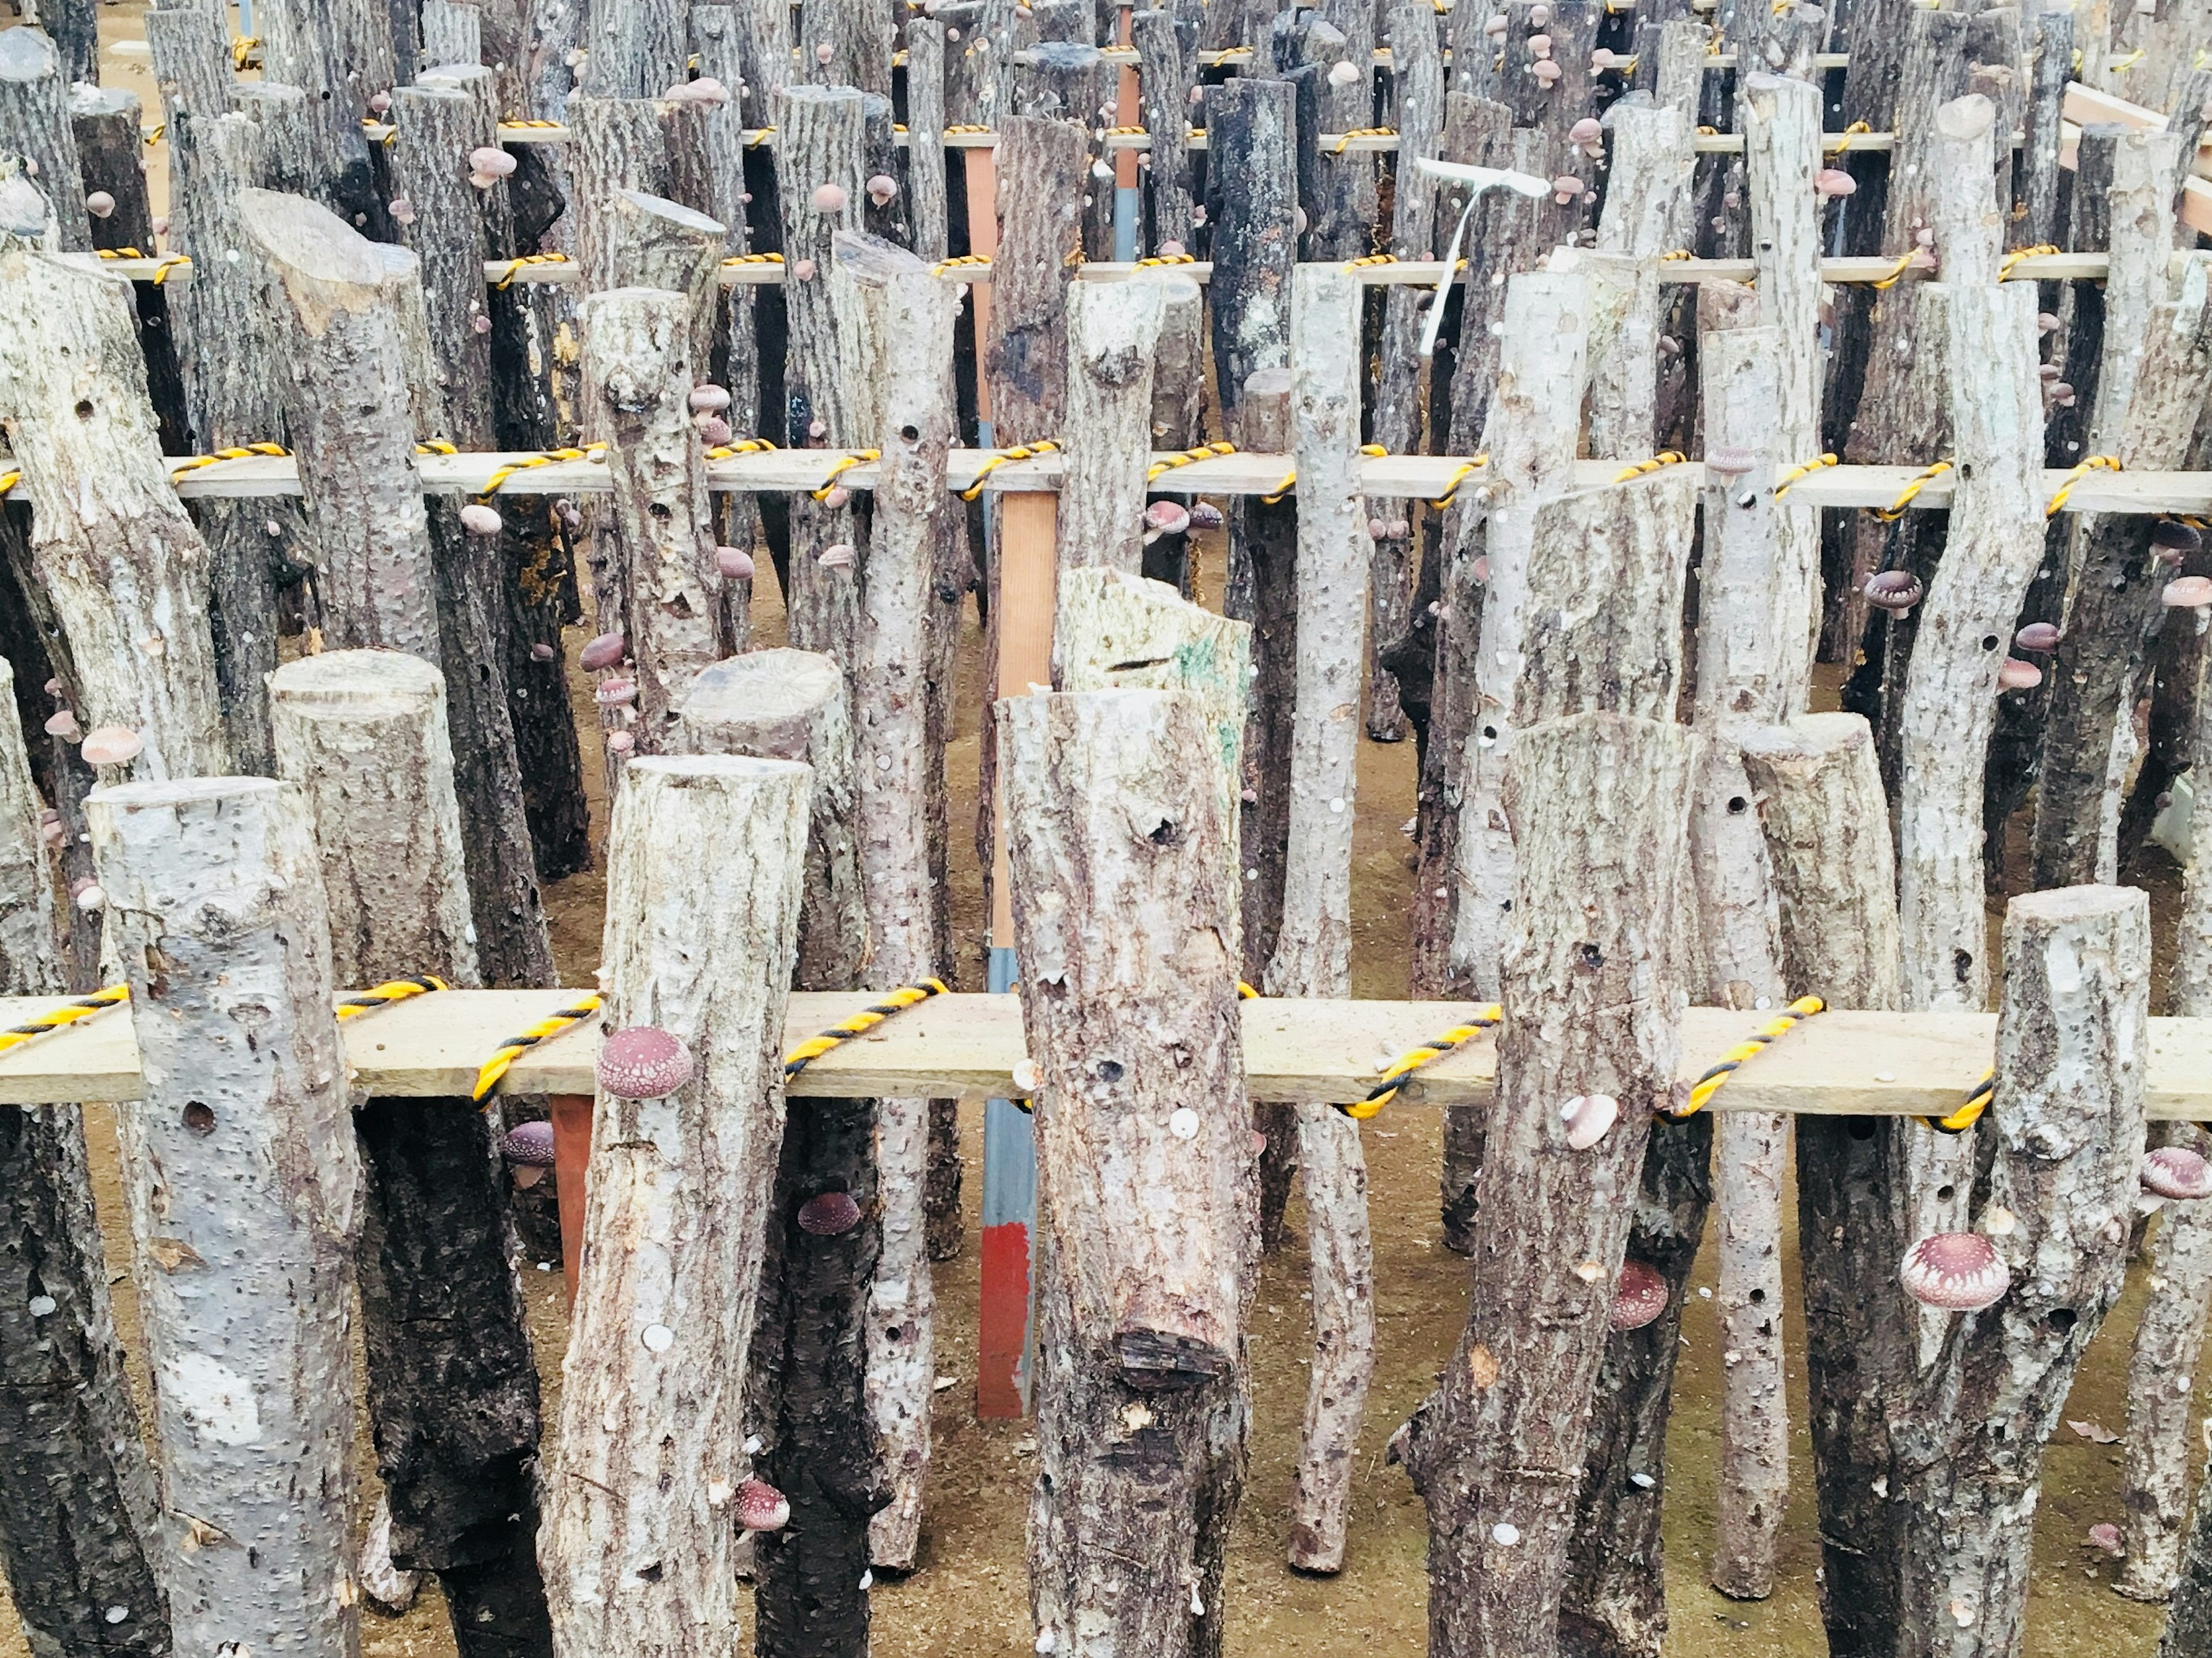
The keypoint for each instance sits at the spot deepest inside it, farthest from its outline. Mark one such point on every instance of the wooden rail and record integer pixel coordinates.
(1840, 1063)
(1399, 475)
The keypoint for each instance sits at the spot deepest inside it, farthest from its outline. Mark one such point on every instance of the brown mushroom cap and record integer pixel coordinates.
(1638, 1297)
(1894, 590)
(643, 1063)
(761, 1507)
(1956, 1271)
(829, 1214)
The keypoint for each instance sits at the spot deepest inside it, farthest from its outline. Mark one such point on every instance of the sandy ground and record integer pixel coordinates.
(970, 1595)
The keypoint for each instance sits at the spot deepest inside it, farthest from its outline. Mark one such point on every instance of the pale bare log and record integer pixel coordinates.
(1113, 334)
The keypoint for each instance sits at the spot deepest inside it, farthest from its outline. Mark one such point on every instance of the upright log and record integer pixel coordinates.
(2189, 1624)
(241, 1172)
(392, 570)
(636, 49)
(1042, 165)
(1166, 44)
(34, 127)
(452, 1387)
(1113, 332)
(1313, 951)
(891, 729)
(340, 53)
(1591, 995)
(119, 561)
(1827, 823)
(806, 1399)
(1129, 992)
(111, 148)
(77, 1502)
(2072, 1040)
(640, 1526)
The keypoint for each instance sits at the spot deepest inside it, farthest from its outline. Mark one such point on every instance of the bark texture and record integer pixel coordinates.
(1113, 331)
(2072, 1042)
(120, 563)
(34, 127)
(77, 1506)
(1129, 992)
(2159, 1445)
(639, 1530)
(242, 1177)
(1590, 985)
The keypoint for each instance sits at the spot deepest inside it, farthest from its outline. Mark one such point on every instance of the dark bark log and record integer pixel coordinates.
(1167, 47)
(339, 52)
(2189, 1620)
(109, 146)
(1042, 166)
(1600, 802)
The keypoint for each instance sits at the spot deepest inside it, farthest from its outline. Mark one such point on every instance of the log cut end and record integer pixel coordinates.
(316, 252)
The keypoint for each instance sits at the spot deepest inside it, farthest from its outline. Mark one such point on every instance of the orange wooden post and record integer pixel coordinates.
(982, 174)
(572, 1154)
(1029, 554)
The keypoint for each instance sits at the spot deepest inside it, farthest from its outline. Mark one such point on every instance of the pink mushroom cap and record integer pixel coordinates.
(100, 203)
(63, 724)
(1954, 1272)
(620, 742)
(708, 399)
(530, 1143)
(2188, 592)
(2038, 636)
(734, 563)
(492, 161)
(1169, 517)
(1834, 181)
(1204, 515)
(604, 652)
(829, 1214)
(2176, 1171)
(479, 519)
(643, 1063)
(839, 557)
(829, 198)
(1638, 1297)
(1893, 590)
(2015, 675)
(761, 1507)
(112, 745)
(1546, 71)
(1588, 131)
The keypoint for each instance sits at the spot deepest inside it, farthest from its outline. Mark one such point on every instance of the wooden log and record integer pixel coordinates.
(1166, 44)
(117, 558)
(391, 572)
(241, 1173)
(77, 1502)
(634, 49)
(2063, 1189)
(452, 32)
(1112, 335)
(2148, 396)
(452, 1387)
(1755, 619)
(1313, 950)
(111, 145)
(637, 373)
(1026, 357)
(1417, 78)
(1827, 824)
(638, 1532)
(894, 754)
(455, 228)
(1599, 799)
(821, 170)
(339, 53)
(1120, 912)
(34, 127)
(805, 1401)
(1782, 136)
(2190, 1621)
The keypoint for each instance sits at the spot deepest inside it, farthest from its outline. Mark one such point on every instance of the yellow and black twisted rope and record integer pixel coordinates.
(1664, 459)
(754, 258)
(1970, 1109)
(504, 1056)
(1394, 1074)
(1152, 259)
(243, 452)
(8, 480)
(391, 990)
(1703, 1089)
(1344, 139)
(866, 1019)
(68, 1013)
(960, 261)
(1000, 458)
(1926, 476)
(1464, 471)
(1820, 463)
(1897, 271)
(2094, 463)
(842, 466)
(1204, 451)
(545, 458)
(2005, 264)
(516, 266)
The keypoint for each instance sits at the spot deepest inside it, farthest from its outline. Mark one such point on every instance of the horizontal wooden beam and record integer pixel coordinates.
(1840, 1063)
(1389, 475)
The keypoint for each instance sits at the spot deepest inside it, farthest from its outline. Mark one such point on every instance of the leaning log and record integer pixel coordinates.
(640, 1521)
(241, 1174)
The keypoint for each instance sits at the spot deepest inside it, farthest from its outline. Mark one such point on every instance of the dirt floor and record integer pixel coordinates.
(970, 1597)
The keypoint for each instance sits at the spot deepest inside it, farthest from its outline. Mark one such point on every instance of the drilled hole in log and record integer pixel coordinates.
(1945, 1192)
(1737, 806)
(1962, 963)
(1109, 1071)
(911, 434)
(1589, 958)
(199, 1117)
(2061, 1319)
(1989, 641)
(84, 409)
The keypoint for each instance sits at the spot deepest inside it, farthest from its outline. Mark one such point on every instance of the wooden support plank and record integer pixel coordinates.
(1842, 1064)
(1242, 474)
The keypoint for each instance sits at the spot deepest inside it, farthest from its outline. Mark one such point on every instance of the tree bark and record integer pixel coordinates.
(1827, 824)
(805, 1401)
(340, 53)
(2071, 1038)
(1042, 166)
(636, 48)
(110, 144)
(77, 1502)
(639, 1528)
(119, 561)
(34, 125)
(2189, 1624)
(1599, 800)
(241, 1173)
(1129, 992)
(1114, 330)
(453, 1389)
